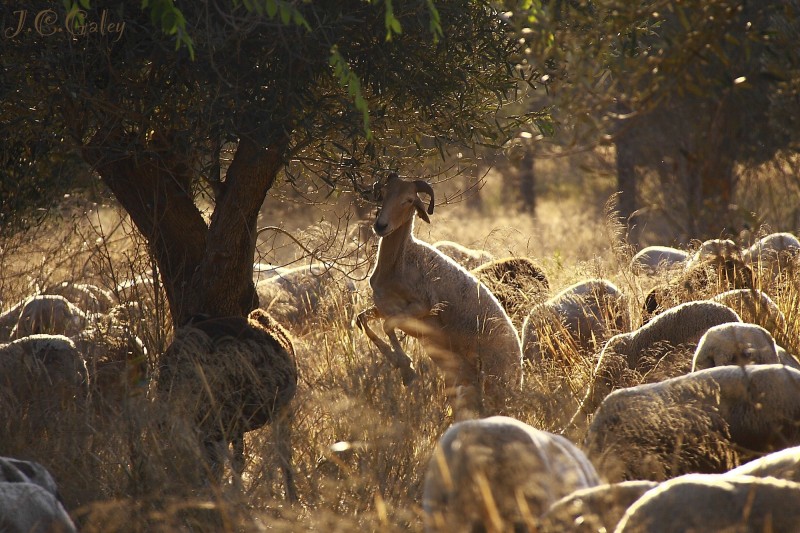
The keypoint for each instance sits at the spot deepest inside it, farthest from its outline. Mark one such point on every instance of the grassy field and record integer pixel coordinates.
(361, 439)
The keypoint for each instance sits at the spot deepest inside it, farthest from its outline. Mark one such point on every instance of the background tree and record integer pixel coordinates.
(691, 91)
(333, 91)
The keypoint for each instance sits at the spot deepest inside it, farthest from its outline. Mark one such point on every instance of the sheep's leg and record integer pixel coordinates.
(237, 459)
(215, 451)
(282, 438)
(397, 357)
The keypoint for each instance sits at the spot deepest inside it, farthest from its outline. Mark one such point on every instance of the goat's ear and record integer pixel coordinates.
(424, 187)
(421, 210)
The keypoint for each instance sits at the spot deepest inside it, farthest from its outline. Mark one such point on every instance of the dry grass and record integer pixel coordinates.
(361, 439)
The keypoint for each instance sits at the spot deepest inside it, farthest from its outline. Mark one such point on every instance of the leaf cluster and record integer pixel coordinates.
(672, 62)
(349, 84)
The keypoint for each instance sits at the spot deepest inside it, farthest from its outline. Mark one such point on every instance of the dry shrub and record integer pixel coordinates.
(361, 439)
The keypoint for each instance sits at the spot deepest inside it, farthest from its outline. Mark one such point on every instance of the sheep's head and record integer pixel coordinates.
(400, 201)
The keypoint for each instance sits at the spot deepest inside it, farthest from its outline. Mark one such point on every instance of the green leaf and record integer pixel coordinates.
(272, 8)
(85, 4)
(347, 78)
(300, 20)
(169, 22)
(286, 14)
(435, 24)
(390, 21)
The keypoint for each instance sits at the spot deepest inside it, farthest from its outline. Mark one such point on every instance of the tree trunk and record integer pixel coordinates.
(205, 268)
(626, 176)
(716, 172)
(224, 280)
(527, 181)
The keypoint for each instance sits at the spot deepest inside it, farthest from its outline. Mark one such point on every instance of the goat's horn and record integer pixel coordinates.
(424, 186)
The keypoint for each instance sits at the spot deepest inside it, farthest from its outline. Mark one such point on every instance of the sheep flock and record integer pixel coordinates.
(494, 391)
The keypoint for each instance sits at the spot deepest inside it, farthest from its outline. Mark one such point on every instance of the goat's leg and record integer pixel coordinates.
(403, 361)
(394, 354)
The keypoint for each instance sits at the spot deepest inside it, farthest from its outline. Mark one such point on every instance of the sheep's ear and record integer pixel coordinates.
(421, 210)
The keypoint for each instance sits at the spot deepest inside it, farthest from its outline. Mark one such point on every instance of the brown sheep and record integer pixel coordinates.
(232, 375)
(518, 283)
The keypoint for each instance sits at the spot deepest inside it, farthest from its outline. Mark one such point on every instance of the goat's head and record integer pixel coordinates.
(400, 201)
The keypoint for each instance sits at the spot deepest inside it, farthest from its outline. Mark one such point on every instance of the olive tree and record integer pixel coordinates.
(150, 95)
(691, 90)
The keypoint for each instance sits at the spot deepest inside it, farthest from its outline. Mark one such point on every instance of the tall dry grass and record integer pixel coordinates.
(361, 439)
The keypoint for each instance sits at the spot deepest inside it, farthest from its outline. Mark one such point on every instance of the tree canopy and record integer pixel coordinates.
(333, 91)
(688, 89)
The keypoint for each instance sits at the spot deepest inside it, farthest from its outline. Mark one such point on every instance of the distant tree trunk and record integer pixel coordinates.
(472, 185)
(626, 177)
(205, 268)
(527, 181)
(716, 172)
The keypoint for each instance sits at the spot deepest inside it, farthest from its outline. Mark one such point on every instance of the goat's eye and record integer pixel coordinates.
(410, 200)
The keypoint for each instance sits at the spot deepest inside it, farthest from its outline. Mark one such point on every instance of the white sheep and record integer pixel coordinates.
(735, 343)
(42, 376)
(783, 464)
(143, 289)
(773, 253)
(651, 346)
(717, 266)
(587, 312)
(87, 297)
(226, 376)
(9, 319)
(266, 270)
(14, 470)
(594, 509)
(41, 360)
(116, 362)
(682, 324)
(497, 473)
(787, 359)
(460, 323)
(30, 508)
(469, 258)
(706, 421)
(296, 294)
(755, 306)
(29, 499)
(698, 502)
(654, 259)
(715, 248)
(50, 314)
